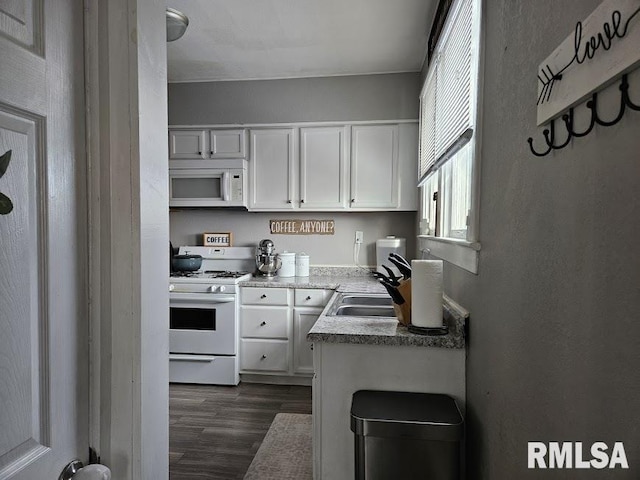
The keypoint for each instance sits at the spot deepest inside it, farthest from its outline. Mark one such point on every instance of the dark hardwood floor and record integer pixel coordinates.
(215, 431)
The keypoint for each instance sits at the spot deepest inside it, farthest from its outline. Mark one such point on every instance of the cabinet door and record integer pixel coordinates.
(303, 320)
(272, 169)
(188, 144)
(227, 144)
(323, 168)
(374, 166)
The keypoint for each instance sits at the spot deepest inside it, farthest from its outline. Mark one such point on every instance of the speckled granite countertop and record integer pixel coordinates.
(384, 331)
(363, 330)
(332, 278)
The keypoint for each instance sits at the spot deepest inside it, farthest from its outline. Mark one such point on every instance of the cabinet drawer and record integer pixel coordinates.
(264, 355)
(210, 369)
(311, 297)
(264, 296)
(265, 322)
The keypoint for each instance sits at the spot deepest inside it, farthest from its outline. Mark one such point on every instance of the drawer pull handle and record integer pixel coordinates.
(308, 297)
(263, 357)
(263, 324)
(263, 296)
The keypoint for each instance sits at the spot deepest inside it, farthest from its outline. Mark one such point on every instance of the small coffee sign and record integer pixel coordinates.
(302, 227)
(216, 239)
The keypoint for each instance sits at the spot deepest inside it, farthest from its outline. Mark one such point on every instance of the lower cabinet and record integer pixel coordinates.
(303, 320)
(274, 323)
(265, 355)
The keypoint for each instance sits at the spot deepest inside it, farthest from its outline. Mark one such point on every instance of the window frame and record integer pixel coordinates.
(463, 253)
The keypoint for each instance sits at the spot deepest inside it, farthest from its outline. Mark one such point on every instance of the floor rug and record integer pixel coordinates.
(285, 453)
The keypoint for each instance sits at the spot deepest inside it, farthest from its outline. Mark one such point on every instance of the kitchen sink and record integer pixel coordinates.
(365, 311)
(366, 300)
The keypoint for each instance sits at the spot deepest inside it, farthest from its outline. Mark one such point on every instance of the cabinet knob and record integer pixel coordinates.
(211, 153)
(199, 153)
(263, 324)
(288, 201)
(353, 200)
(264, 295)
(302, 201)
(263, 357)
(308, 297)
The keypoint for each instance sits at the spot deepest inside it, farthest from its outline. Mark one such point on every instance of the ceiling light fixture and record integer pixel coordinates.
(177, 23)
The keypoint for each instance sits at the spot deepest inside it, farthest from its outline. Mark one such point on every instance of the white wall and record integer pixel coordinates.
(248, 229)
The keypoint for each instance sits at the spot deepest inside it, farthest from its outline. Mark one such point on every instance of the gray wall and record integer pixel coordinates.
(360, 97)
(248, 229)
(554, 348)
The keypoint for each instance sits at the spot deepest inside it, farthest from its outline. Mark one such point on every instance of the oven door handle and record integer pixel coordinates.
(192, 358)
(200, 297)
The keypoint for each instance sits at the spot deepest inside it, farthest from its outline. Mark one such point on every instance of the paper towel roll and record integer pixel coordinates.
(426, 293)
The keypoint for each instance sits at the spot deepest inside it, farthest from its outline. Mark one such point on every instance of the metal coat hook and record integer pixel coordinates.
(549, 134)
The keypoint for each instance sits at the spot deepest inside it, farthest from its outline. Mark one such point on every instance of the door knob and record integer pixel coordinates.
(77, 471)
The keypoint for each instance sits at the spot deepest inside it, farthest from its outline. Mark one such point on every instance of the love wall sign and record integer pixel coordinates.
(601, 48)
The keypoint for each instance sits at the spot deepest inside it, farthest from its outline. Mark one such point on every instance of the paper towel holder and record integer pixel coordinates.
(444, 330)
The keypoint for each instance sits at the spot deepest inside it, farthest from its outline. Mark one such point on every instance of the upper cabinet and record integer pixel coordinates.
(272, 169)
(374, 166)
(188, 144)
(227, 144)
(206, 144)
(323, 168)
(340, 167)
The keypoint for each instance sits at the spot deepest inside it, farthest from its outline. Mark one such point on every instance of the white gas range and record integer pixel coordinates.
(204, 313)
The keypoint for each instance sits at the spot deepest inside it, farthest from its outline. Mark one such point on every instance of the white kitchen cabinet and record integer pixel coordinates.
(273, 169)
(324, 174)
(303, 319)
(206, 144)
(188, 144)
(374, 166)
(227, 143)
(264, 355)
(274, 323)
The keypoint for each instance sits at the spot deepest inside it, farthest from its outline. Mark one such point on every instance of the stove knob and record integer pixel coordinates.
(172, 287)
(212, 289)
(222, 288)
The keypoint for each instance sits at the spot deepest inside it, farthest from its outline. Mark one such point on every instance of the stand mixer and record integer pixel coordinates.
(267, 261)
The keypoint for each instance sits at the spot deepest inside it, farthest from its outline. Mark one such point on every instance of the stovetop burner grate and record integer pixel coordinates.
(224, 274)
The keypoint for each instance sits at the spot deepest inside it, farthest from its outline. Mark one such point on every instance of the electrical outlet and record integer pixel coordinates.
(359, 236)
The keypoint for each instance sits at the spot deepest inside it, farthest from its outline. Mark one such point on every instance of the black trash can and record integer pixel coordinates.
(402, 435)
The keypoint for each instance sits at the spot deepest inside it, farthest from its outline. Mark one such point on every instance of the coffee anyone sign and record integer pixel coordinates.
(302, 227)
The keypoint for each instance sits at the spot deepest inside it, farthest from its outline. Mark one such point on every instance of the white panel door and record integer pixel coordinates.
(374, 166)
(43, 296)
(187, 144)
(323, 168)
(272, 169)
(303, 319)
(227, 143)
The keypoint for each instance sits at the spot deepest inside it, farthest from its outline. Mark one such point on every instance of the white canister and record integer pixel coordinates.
(288, 268)
(302, 265)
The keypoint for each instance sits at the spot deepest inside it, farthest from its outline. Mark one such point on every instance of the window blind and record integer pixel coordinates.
(446, 99)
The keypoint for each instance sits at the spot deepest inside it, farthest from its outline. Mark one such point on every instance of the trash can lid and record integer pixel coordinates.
(427, 416)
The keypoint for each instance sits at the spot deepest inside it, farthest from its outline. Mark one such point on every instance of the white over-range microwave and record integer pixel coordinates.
(208, 187)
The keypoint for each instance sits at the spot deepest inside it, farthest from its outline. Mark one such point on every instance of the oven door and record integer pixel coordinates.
(203, 324)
